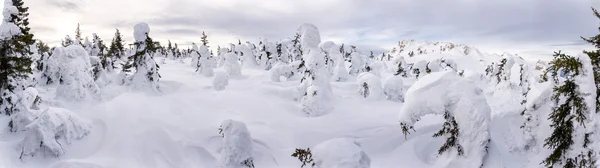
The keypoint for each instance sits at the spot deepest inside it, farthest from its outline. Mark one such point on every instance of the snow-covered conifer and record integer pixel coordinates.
(358, 63)
(206, 62)
(393, 88)
(116, 51)
(237, 145)
(401, 67)
(369, 86)
(280, 70)
(465, 109)
(316, 87)
(15, 60)
(146, 74)
(73, 68)
(232, 66)
(573, 117)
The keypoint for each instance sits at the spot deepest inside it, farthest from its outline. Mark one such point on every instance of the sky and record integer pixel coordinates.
(530, 28)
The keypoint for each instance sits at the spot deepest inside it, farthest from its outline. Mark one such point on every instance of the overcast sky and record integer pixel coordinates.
(531, 28)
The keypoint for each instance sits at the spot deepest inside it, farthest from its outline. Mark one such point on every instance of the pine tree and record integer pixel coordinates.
(15, 60)
(142, 61)
(44, 52)
(204, 39)
(595, 57)
(570, 112)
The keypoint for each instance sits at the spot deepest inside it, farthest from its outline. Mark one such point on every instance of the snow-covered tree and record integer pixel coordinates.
(340, 153)
(221, 80)
(359, 63)
(237, 145)
(419, 69)
(465, 109)
(78, 37)
(204, 39)
(15, 60)
(116, 51)
(401, 67)
(340, 74)
(67, 41)
(206, 62)
(369, 86)
(393, 88)
(87, 45)
(595, 57)
(232, 66)
(309, 37)
(573, 117)
(146, 74)
(248, 58)
(316, 87)
(72, 65)
(281, 70)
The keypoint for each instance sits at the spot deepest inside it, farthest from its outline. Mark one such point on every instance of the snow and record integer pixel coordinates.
(340, 153)
(393, 88)
(232, 66)
(309, 36)
(369, 86)
(8, 29)
(442, 92)
(74, 71)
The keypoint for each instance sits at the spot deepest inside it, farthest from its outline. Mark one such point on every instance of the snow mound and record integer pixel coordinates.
(237, 145)
(446, 93)
(280, 70)
(74, 71)
(340, 153)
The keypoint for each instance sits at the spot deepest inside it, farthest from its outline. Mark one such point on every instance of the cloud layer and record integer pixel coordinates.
(533, 27)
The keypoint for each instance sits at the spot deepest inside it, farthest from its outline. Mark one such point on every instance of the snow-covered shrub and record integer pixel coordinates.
(220, 80)
(237, 145)
(248, 57)
(74, 73)
(316, 87)
(537, 107)
(393, 88)
(369, 86)
(26, 102)
(50, 130)
(340, 153)
(419, 69)
(376, 67)
(232, 66)
(304, 156)
(433, 66)
(448, 64)
(401, 67)
(467, 113)
(280, 70)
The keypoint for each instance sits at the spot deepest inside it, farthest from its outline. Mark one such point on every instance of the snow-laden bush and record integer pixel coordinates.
(369, 86)
(433, 66)
(316, 86)
(220, 80)
(280, 70)
(376, 67)
(358, 63)
(340, 153)
(232, 66)
(27, 102)
(419, 69)
(393, 88)
(448, 64)
(237, 145)
(401, 67)
(195, 55)
(465, 109)
(74, 70)
(537, 107)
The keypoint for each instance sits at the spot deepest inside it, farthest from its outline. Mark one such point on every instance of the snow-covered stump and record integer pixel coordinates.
(340, 153)
(232, 66)
(237, 145)
(393, 88)
(465, 109)
(369, 86)
(220, 80)
(280, 70)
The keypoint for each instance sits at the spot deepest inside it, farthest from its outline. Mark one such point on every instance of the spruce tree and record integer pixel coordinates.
(204, 39)
(117, 49)
(78, 37)
(569, 116)
(67, 41)
(15, 60)
(595, 57)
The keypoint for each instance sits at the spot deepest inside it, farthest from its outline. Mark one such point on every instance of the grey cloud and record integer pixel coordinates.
(66, 5)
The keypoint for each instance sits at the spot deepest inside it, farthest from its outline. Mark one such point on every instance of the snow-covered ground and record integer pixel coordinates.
(180, 127)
